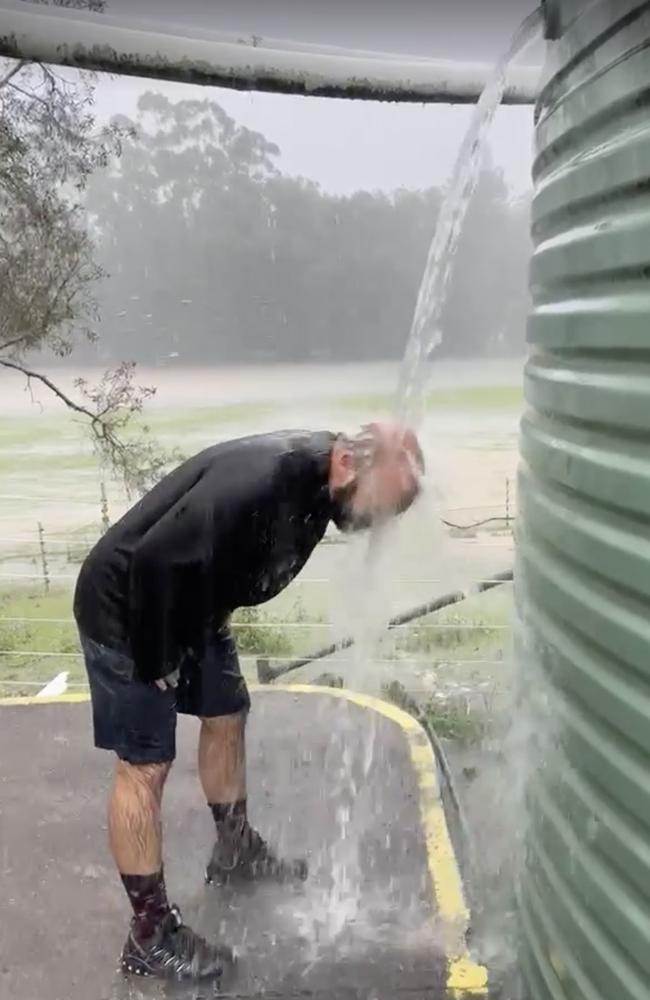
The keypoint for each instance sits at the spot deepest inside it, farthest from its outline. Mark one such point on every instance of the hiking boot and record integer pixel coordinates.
(240, 853)
(174, 952)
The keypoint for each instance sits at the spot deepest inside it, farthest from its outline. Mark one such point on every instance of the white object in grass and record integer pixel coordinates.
(58, 685)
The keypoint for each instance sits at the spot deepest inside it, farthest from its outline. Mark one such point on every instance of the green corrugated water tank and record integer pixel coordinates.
(584, 538)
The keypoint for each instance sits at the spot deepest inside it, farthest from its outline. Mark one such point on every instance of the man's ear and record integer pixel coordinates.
(412, 447)
(342, 466)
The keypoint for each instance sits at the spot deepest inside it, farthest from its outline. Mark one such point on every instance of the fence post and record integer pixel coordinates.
(44, 566)
(106, 521)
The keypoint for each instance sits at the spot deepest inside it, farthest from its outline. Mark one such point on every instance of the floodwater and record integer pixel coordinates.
(214, 385)
(471, 451)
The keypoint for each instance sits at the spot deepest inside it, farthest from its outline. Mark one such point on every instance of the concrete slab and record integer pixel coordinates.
(328, 778)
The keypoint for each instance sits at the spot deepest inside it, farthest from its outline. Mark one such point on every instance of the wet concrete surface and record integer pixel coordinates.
(327, 780)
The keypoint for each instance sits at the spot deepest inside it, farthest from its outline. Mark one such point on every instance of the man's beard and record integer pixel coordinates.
(344, 516)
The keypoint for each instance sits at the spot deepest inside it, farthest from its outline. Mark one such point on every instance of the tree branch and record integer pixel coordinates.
(137, 460)
(12, 73)
(46, 104)
(70, 403)
(31, 97)
(12, 343)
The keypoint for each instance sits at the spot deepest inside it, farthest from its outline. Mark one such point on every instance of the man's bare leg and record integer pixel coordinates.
(222, 761)
(135, 835)
(154, 946)
(222, 768)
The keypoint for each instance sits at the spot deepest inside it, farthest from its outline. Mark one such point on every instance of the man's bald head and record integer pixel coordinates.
(375, 474)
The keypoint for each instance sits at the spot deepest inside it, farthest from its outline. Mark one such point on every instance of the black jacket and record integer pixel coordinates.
(230, 527)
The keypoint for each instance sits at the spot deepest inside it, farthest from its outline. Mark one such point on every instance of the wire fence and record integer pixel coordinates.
(43, 564)
(50, 556)
(270, 624)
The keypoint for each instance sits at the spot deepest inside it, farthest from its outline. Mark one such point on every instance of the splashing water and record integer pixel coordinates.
(338, 907)
(426, 331)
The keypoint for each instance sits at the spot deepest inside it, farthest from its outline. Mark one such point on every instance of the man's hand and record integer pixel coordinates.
(170, 681)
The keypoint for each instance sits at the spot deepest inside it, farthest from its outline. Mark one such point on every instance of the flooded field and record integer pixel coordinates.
(51, 510)
(45, 454)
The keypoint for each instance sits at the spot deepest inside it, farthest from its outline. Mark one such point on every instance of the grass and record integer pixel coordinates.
(447, 720)
(289, 628)
(72, 462)
(468, 664)
(22, 672)
(42, 432)
(471, 629)
(258, 634)
(199, 419)
(467, 398)
(25, 440)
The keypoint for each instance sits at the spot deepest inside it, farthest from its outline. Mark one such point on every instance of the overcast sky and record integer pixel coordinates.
(346, 145)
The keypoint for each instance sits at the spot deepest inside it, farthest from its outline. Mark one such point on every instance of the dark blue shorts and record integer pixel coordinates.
(137, 720)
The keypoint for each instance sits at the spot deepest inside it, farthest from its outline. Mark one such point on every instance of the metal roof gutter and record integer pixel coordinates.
(68, 37)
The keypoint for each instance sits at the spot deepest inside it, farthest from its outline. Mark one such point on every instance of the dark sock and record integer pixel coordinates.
(223, 811)
(148, 898)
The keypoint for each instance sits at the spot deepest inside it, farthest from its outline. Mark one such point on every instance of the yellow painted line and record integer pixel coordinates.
(466, 979)
(464, 976)
(55, 699)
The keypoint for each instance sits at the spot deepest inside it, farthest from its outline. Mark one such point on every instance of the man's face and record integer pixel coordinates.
(384, 491)
(346, 516)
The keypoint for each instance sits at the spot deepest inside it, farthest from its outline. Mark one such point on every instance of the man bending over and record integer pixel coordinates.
(230, 527)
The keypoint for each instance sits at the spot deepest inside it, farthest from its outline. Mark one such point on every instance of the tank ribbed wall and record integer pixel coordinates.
(584, 535)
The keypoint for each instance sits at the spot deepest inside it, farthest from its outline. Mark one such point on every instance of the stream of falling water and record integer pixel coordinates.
(426, 330)
(333, 910)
